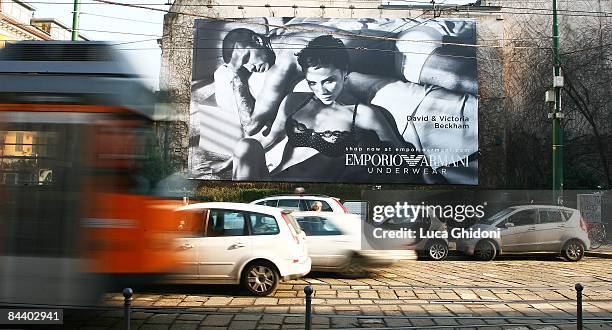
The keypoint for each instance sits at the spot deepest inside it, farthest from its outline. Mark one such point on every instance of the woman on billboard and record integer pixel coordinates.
(320, 127)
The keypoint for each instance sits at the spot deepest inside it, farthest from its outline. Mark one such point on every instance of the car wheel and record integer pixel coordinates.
(573, 250)
(485, 251)
(437, 250)
(260, 278)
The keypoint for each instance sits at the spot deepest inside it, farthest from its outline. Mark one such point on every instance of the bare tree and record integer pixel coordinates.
(586, 102)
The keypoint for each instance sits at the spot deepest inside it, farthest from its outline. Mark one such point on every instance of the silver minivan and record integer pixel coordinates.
(236, 243)
(529, 229)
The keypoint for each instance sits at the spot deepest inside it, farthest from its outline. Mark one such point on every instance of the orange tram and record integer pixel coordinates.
(76, 215)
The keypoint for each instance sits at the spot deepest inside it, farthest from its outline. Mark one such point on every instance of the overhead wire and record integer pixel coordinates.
(537, 11)
(407, 21)
(301, 46)
(278, 45)
(169, 11)
(354, 48)
(303, 29)
(418, 5)
(120, 18)
(100, 31)
(585, 49)
(269, 25)
(285, 27)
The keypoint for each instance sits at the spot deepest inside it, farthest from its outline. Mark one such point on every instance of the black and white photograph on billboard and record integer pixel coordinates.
(336, 100)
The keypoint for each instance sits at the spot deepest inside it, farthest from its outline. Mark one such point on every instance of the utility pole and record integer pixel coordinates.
(75, 21)
(556, 115)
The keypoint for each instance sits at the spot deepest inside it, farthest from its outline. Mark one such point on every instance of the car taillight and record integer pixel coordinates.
(583, 224)
(341, 205)
(293, 233)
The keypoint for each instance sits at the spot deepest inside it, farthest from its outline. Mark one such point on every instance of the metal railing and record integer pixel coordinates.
(308, 313)
(578, 318)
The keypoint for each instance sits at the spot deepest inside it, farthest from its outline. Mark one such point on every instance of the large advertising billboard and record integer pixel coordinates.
(335, 100)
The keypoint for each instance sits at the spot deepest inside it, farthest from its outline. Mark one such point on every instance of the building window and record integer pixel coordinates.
(19, 141)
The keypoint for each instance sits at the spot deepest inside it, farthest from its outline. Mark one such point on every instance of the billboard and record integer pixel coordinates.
(334, 100)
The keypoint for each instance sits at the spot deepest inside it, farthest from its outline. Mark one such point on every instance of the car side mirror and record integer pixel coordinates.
(509, 224)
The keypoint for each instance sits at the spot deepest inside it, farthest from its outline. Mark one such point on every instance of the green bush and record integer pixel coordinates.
(221, 191)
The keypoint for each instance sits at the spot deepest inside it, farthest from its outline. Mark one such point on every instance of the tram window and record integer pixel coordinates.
(41, 178)
(24, 155)
(9, 178)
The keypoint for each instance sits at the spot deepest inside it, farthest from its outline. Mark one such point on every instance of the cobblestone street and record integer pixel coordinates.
(535, 293)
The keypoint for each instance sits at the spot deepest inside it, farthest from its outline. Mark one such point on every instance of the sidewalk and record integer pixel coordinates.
(535, 293)
(604, 251)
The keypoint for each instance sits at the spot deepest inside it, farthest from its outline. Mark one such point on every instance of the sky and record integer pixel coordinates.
(137, 29)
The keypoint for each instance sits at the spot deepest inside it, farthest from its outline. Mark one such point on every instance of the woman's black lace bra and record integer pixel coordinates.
(329, 143)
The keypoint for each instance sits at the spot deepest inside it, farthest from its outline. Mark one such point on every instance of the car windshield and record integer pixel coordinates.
(498, 215)
(318, 225)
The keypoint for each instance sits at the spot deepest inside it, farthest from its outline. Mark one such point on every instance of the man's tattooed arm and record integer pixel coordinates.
(245, 102)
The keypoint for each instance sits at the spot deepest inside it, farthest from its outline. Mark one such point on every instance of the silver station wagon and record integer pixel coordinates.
(530, 229)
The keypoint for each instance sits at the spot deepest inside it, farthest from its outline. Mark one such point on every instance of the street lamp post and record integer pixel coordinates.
(75, 21)
(557, 132)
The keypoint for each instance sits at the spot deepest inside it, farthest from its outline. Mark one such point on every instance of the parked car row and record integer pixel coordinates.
(541, 229)
(257, 245)
(523, 229)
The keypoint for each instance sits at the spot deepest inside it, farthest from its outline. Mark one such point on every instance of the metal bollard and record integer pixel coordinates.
(579, 288)
(308, 291)
(127, 302)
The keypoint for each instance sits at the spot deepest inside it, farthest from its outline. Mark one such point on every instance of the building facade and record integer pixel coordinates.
(177, 57)
(503, 107)
(17, 22)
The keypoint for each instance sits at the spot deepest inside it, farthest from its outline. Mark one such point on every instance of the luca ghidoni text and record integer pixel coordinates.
(457, 233)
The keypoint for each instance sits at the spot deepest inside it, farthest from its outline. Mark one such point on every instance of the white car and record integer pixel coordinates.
(235, 243)
(303, 202)
(334, 243)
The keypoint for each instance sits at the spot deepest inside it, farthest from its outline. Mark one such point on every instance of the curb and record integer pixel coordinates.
(599, 254)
